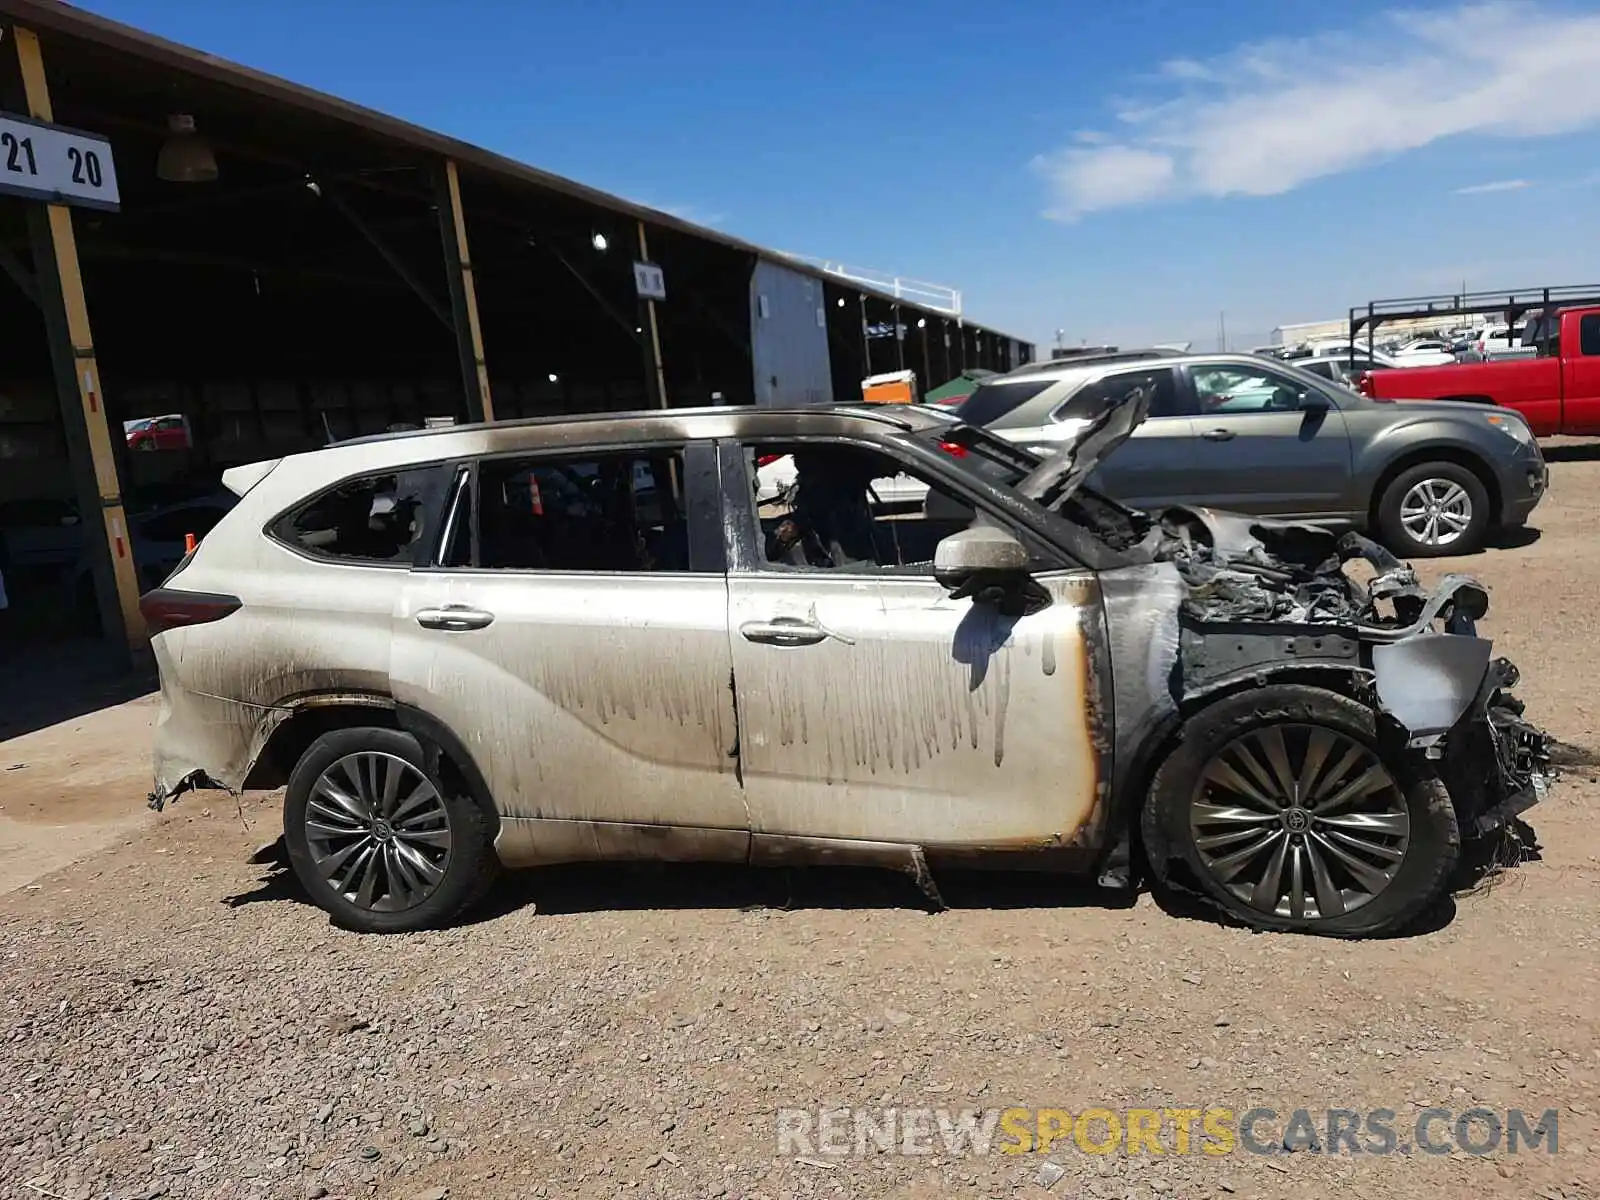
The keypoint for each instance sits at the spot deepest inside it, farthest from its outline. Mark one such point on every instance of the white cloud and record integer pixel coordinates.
(1498, 185)
(1270, 116)
(1106, 177)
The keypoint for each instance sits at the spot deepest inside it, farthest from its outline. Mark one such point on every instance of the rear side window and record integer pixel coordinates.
(373, 519)
(991, 402)
(611, 513)
(1090, 400)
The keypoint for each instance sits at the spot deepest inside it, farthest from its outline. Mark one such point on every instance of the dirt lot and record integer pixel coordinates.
(177, 1022)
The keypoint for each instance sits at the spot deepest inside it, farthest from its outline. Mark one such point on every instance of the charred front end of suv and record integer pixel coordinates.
(1229, 605)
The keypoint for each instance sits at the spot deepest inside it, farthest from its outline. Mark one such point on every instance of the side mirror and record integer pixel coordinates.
(1313, 401)
(991, 566)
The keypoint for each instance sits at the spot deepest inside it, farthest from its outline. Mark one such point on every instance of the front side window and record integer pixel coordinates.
(373, 519)
(1092, 399)
(586, 512)
(1224, 389)
(833, 507)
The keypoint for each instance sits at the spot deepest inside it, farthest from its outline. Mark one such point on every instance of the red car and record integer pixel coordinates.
(158, 433)
(1558, 391)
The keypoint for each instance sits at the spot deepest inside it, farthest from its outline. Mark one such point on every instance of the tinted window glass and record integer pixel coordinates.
(1091, 399)
(591, 513)
(1324, 369)
(1589, 334)
(990, 402)
(1225, 388)
(375, 519)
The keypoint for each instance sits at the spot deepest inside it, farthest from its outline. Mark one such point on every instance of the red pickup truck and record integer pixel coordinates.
(1558, 391)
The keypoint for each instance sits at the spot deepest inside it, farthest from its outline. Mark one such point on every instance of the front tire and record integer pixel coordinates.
(1288, 809)
(1434, 509)
(378, 840)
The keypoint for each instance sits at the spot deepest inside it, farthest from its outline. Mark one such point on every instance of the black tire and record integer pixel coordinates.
(1394, 534)
(469, 864)
(1430, 855)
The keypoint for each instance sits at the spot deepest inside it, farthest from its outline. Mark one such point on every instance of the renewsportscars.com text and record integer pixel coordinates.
(843, 1132)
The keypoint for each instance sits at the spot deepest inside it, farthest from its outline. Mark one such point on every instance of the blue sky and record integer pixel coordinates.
(1124, 172)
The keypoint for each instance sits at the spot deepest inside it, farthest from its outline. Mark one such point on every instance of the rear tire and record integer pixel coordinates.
(1193, 821)
(1434, 509)
(379, 841)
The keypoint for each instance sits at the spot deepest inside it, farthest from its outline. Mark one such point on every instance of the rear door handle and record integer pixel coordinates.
(457, 618)
(783, 631)
(1219, 435)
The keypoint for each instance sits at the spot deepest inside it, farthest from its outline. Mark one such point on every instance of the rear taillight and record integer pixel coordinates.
(954, 449)
(168, 608)
(766, 460)
(1364, 385)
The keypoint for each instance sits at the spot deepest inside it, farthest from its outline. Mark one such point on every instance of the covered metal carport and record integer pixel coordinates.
(282, 268)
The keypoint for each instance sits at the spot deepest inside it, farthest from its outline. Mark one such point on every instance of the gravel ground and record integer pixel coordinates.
(177, 1022)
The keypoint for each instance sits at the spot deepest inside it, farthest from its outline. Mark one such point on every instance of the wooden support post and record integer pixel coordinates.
(655, 373)
(463, 295)
(59, 280)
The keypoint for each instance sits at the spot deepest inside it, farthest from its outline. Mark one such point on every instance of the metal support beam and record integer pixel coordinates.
(655, 374)
(463, 295)
(396, 263)
(866, 338)
(72, 358)
(627, 326)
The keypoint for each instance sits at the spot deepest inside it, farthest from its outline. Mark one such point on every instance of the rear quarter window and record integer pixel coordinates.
(991, 403)
(372, 519)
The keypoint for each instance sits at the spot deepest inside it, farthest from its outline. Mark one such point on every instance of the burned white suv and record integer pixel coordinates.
(595, 638)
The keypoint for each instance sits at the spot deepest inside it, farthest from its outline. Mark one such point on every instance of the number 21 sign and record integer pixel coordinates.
(62, 166)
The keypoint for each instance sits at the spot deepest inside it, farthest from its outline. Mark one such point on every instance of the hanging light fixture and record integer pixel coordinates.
(185, 156)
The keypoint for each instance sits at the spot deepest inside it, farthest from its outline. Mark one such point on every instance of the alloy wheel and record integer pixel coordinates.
(1300, 821)
(378, 831)
(1436, 512)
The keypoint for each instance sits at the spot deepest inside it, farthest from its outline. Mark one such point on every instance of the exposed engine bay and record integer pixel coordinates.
(1250, 599)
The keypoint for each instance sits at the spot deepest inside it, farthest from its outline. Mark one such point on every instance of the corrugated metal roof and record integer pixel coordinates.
(51, 16)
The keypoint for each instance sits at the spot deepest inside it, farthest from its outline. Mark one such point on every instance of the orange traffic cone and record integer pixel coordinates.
(189, 543)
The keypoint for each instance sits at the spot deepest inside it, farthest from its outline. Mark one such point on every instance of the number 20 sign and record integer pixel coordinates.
(63, 166)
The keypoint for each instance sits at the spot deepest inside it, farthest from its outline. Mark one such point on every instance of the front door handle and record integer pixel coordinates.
(1219, 435)
(783, 631)
(457, 618)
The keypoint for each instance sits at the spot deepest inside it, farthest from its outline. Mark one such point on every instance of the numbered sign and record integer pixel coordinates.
(650, 281)
(63, 166)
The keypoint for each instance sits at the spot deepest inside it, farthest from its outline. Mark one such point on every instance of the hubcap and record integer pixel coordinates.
(1300, 822)
(379, 832)
(1436, 511)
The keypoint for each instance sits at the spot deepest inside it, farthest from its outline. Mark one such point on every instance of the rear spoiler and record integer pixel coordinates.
(240, 480)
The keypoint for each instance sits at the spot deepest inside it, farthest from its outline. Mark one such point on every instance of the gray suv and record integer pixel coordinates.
(1240, 433)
